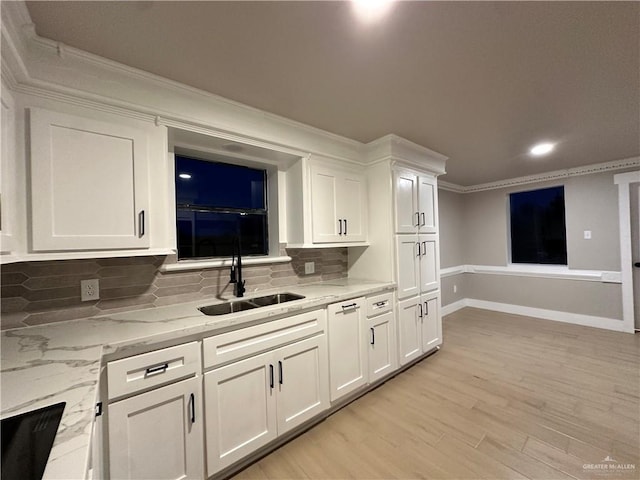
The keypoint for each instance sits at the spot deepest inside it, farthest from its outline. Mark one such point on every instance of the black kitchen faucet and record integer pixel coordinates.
(236, 270)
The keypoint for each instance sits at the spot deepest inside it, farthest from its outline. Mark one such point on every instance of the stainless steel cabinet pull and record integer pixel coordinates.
(426, 309)
(382, 303)
(373, 336)
(280, 377)
(424, 222)
(345, 226)
(192, 404)
(271, 375)
(157, 369)
(417, 219)
(351, 305)
(141, 224)
(420, 314)
(424, 246)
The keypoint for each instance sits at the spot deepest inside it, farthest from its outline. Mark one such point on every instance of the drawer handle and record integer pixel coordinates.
(157, 369)
(383, 303)
(280, 377)
(373, 336)
(351, 305)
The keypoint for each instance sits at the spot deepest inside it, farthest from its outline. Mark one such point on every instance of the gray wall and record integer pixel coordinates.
(451, 228)
(591, 203)
(480, 221)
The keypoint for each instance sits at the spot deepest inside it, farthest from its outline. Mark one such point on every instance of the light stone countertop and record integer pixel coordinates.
(60, 362)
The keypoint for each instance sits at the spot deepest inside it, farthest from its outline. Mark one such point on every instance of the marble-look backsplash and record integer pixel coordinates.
(34, 293)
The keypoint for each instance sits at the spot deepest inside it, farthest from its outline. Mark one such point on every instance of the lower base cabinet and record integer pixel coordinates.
(252, 401)
(382, 342)
(158, 435)
(419, 326)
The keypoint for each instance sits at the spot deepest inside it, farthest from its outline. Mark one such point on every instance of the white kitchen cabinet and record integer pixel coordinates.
(338, 201)
(240, 403)
(158, 434)
(415, 198)
(382, 341)
(419, 326)
(8, 177)
(417, 264)
(348, 352)
(89, 183)
(252, 401)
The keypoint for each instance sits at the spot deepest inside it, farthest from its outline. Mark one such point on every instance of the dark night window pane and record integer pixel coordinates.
(216, 204)
(538, 231)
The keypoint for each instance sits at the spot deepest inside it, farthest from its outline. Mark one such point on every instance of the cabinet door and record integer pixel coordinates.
(302, 382)
(408, 264)
(382, 342)
(406, 202)
(240, 401)
(347, 347)
(89, 183)
(324, 206)
(409, 330)
(428, 263)
(352, 197)
(158, 435)
(431, 323)
(427, 204)
(8, 174)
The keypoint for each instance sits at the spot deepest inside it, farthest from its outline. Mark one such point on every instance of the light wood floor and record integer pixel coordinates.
(506, 397)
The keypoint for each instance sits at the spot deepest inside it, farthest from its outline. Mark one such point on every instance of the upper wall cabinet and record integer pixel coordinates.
(89, 183)
(326, 205)
(415, 202)
(338, 206)
(8, 176)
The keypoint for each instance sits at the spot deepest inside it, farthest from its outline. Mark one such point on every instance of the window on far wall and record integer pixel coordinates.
(217, 204)
(538, 232)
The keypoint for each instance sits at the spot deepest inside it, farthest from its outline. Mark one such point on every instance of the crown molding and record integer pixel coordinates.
(397, 149)
(544, 177)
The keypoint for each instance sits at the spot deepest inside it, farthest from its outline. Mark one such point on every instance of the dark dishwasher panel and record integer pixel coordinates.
(27, 440)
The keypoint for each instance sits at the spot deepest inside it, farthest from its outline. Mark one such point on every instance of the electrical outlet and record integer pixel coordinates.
(455, 288)
(89, 290)
(309, 268)
(587, 234)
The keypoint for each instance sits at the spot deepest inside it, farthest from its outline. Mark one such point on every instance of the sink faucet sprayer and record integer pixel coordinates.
(236, 270)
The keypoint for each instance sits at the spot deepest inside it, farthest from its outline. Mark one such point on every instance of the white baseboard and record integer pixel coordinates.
(555, 315)
(454, 307)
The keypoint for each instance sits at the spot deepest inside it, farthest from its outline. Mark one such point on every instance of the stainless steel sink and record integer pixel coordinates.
(241, 305)
(275, 299)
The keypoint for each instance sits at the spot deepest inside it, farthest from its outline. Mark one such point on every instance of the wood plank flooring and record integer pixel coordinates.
(506, 397)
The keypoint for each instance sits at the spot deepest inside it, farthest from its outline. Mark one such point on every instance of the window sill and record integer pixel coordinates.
(185, 265)
(539, 271)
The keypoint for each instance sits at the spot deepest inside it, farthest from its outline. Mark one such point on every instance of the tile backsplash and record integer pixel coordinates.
(34, 293)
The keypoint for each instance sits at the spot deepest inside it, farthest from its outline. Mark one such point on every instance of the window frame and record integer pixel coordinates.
(535, 266)
(271, 204)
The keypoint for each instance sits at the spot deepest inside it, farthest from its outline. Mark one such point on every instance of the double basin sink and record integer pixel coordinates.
(250, 303)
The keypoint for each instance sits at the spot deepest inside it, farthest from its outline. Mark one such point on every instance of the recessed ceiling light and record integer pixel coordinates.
(185, 176)
(541, 149)
(371, 10)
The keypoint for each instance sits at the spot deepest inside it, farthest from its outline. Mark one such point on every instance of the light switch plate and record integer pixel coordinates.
(587, 234)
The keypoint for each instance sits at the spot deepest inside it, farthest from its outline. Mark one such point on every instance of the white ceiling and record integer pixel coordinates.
(479, 82)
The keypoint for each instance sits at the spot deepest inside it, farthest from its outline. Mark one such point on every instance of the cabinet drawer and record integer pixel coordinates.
(152, 369)
(379, 304)
(241, 343)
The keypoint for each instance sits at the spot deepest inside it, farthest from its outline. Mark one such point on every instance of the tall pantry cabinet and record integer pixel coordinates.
(403, 201)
